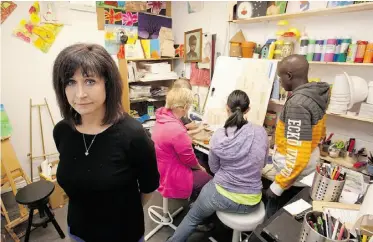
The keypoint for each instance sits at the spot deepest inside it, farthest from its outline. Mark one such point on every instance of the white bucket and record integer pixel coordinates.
(340, 86)
(370, 93)
(358, 89)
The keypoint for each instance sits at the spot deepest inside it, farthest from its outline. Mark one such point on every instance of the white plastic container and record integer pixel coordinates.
(358, 89)
(370, 93)
(340, 86)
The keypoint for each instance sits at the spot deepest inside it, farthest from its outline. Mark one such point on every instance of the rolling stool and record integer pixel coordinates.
(242, 222)
(36, 196)
(166, 219)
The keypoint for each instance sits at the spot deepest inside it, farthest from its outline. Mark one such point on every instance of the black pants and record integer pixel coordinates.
(274, 204)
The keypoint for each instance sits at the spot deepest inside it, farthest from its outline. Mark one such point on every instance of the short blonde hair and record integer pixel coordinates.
(179, 97)
(182, 83)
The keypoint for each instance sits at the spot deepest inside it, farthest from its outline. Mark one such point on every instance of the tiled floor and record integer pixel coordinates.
(49, 234)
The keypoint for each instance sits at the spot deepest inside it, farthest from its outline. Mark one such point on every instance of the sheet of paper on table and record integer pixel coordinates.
(297, 207)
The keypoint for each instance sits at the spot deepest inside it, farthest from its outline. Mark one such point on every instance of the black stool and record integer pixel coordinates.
(36, 196)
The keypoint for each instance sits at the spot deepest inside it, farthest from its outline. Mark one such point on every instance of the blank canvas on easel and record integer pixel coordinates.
(254, 76)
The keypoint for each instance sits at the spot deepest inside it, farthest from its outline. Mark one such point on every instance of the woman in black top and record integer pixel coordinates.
(107, 163)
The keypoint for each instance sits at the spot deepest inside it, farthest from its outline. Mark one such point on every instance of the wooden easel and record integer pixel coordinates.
(11, 170)
(44, 155)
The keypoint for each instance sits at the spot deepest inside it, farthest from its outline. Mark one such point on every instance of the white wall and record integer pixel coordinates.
(27, 73)
(214, 19)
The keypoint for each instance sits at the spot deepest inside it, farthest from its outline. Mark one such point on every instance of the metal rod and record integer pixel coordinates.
(41, 133)
(49, 111)
(32, 176)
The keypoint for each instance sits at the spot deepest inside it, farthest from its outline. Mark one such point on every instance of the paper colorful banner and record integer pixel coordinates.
(7, 7)
(119, 17)
(42, 36)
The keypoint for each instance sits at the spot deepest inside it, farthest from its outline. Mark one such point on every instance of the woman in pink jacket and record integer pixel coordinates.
(181, 176)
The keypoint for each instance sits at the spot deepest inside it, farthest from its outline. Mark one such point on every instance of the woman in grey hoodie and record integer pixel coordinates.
(237, 155)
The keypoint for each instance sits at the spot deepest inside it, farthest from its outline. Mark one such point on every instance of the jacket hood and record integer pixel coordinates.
(318, 91)
(164, 115)
(236, 144)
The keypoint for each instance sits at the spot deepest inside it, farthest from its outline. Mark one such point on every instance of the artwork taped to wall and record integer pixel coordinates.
(149, 25)
(111, 4)
(251, 9)
(112, 36)
(55, 12)
(86, 6)
(276, 7)
(301, 6)
(119, 17)
(199, 77)
(179, 50)
(155, 49)
(254, 76)
(7, 7)
(145, 43)
(156, 7)
(333, 4)
(41, 35)
(6, 127)
(195, 6)
(206, 52)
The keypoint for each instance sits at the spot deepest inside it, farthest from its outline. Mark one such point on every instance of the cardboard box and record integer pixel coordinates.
(58, 198)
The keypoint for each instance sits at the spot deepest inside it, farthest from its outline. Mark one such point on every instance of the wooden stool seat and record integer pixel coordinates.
(36, 196)
(35, 193)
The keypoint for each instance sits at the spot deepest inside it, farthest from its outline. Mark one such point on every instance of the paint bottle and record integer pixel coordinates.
(318, 50)
(323, 50)
(361, 46)
(330, 49)
(311, 48)
(351, 53)
(303, 46)
(337, 49)
(278, 49)
(342, 56)
(368, 56)
(271, 51)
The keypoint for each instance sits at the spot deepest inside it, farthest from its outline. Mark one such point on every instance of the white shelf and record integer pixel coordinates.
(369, 120)
(331, 114)
(341, 63)
(317, 12)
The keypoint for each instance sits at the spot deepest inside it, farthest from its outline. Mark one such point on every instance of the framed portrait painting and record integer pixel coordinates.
(193, 46)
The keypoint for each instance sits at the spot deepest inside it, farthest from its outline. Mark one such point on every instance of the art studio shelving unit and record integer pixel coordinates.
(136, 103)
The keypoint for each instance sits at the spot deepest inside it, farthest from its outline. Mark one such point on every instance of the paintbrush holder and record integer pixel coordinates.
(326, 189)
(309, 234)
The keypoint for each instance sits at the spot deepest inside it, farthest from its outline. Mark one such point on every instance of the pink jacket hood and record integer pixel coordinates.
(175, 155)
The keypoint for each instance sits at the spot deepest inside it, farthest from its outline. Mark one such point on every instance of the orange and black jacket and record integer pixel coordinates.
(299, 130)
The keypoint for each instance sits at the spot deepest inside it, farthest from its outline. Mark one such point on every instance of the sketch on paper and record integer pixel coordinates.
(206, 52)
(41, 35)
(7, 7)
(54, 12)
(195, 6)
